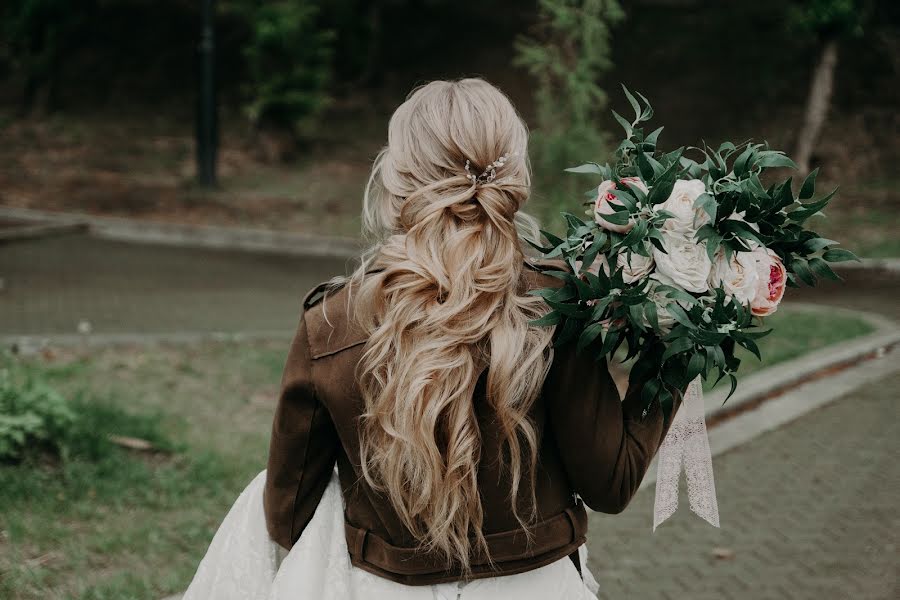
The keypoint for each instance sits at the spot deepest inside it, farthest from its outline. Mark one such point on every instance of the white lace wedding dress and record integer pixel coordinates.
(242, 563)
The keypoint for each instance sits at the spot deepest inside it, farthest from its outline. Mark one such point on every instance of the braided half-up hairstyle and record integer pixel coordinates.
(438, 293)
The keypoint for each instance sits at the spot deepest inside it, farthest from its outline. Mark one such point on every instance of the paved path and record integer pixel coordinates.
(51, 285)
(809, 511)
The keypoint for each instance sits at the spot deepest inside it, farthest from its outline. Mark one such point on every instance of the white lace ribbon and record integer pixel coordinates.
(686, 446)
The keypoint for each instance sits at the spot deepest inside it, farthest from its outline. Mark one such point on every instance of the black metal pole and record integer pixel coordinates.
(207, 117)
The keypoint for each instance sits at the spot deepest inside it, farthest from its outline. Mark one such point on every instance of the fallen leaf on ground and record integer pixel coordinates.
(132, 443)
(723, 553)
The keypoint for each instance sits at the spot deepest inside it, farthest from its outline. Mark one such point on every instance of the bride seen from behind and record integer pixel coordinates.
(428, 440)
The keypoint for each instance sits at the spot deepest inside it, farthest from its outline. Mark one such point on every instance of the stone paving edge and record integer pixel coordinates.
(202, 236)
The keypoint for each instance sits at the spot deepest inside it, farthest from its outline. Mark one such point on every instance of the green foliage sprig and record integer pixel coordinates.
(31, 413)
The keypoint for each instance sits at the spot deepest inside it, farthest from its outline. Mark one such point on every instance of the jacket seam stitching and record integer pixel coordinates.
(325, 353)
(315, 395)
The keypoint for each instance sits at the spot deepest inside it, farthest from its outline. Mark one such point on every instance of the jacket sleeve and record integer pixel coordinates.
(302, 451)
(604, 444)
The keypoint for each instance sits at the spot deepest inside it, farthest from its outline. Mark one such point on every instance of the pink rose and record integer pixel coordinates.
(603, 205)
(772, 277)
(635, 182)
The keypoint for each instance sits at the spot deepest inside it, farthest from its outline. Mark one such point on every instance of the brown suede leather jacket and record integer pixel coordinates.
(594, 450)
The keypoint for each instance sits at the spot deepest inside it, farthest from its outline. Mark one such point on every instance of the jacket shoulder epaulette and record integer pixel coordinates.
(318, 292)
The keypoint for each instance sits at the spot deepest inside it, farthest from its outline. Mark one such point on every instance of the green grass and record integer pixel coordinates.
(115, 524)
(796, 332)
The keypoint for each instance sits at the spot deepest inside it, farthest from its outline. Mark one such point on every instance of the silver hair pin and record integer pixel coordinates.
(489, 174)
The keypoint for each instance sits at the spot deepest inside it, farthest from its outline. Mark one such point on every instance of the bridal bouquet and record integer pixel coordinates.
(682, 255)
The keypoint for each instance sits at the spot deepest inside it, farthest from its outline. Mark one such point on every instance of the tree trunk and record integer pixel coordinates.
(817, 103)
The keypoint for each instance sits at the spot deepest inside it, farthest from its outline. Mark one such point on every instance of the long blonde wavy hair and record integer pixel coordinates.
(438, 294)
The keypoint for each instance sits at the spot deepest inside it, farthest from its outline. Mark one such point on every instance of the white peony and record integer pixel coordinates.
(680, 203)
(738, 276)
(634, 266)
(684, 263)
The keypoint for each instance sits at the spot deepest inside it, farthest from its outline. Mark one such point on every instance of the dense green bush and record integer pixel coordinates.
(288, 63)
(32, 414)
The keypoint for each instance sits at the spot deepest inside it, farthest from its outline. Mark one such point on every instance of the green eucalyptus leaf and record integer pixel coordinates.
(610, 342)
(755, 335)
(677, 294)
(648, 166)
(652, 316)
(821, 269)
(625, 124)
(678, 346)
(620, 217)
(570, 329)
(541, 249)
(625, 197)
(773, 158)
(653, 137)
(634, 103)
(839, 255)
(696, 365)
(592, 168)
(551, 318)
(742, 161)
(707, 203)
(816, 244)
(679, 314)
(799, 267)
(551, 238)
(647, 114)
(650, 391)
(805, 211)
(588, 335)
(749, 345)
(733, 387)
(808, 188)
(637, 233)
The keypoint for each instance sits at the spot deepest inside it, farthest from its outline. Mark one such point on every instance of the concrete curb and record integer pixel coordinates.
(32, 231)
(203, 236)
(32, 344)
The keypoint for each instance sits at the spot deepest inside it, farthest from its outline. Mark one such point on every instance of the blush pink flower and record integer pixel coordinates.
(603, 206)
(635, 182)
(772, 278)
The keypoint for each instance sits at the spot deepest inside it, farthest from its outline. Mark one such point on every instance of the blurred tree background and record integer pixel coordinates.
(97, 97)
